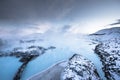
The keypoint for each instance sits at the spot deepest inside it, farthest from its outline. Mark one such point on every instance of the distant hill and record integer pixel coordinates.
(105, 34)
(108, 31)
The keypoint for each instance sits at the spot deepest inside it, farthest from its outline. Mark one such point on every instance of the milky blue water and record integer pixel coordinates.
(51, 57)
(46, 60)
(8, 67)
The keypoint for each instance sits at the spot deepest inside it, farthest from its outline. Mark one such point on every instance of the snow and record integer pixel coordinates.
(108, 49)
(65, 46)
(109, 52)
(79, 68)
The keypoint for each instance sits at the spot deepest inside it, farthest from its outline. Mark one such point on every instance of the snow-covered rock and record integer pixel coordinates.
(76, 68)
(109, 52)
(79, 68)
(107, 43)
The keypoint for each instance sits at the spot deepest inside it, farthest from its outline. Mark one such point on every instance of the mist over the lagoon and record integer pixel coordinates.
(24, 17)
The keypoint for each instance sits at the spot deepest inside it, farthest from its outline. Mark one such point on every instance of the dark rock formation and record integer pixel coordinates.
(23, 66)
(25, 55)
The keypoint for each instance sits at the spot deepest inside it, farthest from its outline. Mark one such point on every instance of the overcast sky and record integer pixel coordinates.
(82, 16)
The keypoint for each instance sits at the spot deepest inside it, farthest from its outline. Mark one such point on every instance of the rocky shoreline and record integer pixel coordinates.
(31, 53)
(76, 68)
(109, 53)
(22, 67)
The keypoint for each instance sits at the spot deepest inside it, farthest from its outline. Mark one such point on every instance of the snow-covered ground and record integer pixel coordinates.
(109, 52)
(79, 68)
(65, 46)
(108, 49)
(62, 47)
(76, 68)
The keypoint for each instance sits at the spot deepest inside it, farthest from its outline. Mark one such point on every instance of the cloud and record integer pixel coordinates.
(65, 28)
(25, 29)
(75, 29)
(25, 10)
(37, 28)
(66, 8)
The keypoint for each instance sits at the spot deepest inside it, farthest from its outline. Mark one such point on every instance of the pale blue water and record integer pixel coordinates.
(46, 60)
(60, 54)
(8, 67)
